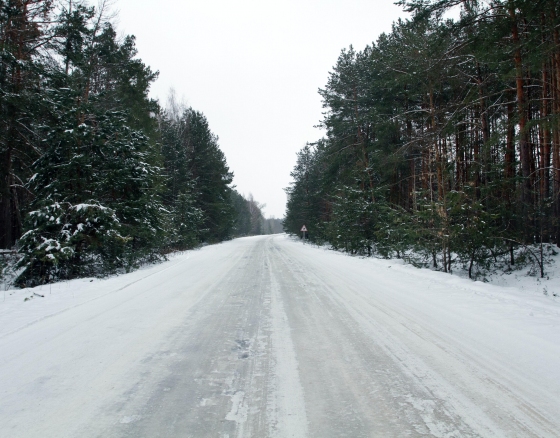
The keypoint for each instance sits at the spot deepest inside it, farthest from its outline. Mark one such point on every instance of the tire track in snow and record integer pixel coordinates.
(451, 390)
(286, 405)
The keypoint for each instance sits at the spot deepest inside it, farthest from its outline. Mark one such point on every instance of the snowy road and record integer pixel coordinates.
(266, 337)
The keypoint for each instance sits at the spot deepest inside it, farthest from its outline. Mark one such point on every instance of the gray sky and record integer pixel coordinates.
(253, 68)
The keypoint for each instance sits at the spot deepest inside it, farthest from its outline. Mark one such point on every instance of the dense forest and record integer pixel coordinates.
(96, 177)
(442, 140)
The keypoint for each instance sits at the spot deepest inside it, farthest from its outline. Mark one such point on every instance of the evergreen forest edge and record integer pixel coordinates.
(96, 177)
(442, 141)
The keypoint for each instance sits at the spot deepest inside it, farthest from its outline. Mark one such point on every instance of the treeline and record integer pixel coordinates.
(96, 177)
(250, 217)
(443, 139)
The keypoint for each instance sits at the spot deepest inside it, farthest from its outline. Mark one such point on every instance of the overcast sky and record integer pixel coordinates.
(253, 68)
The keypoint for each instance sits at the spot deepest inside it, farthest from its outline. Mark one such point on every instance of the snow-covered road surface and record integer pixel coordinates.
(266, 337)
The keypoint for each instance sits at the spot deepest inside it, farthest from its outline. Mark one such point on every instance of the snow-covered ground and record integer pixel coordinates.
(266, 336)
(23, 307)
(527, 278)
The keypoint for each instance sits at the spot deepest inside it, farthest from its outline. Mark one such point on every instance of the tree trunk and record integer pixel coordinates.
(524, 151)
(556, 131)
(545, 145)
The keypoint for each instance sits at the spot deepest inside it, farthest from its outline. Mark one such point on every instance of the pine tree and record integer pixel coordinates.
(23, 33)
(94, 177)
(441, 138)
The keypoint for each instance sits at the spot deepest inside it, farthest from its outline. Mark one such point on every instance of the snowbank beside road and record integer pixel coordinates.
(21, 307)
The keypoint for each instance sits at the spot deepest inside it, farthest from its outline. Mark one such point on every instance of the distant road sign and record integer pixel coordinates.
(303, 229)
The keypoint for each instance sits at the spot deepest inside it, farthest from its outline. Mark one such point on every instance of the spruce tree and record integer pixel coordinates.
(95, 209)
